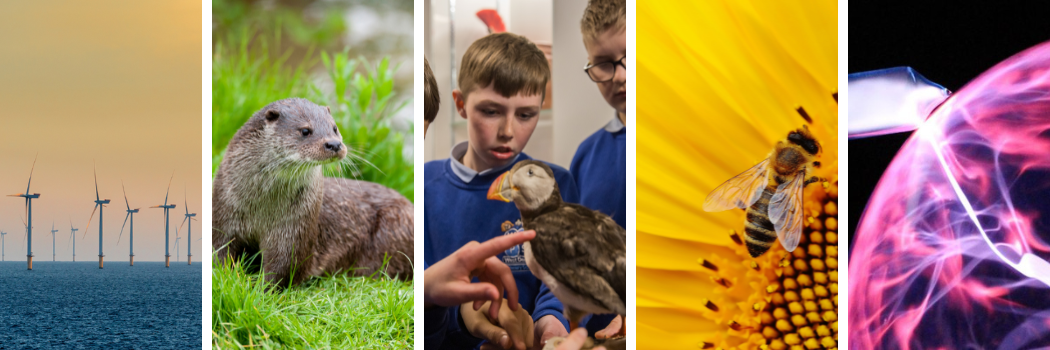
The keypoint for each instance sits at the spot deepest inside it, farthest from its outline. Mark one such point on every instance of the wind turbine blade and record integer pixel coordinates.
(185, 201)
(181, 226)
(96, 181)
(125, 194)
(122, 227)
(31, 173)
(169, 188)
(86, 229)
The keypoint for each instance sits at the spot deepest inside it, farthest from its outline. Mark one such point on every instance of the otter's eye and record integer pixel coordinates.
(335, 129)
(305, 131)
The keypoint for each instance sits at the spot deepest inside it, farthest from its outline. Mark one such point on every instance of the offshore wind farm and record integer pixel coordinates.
(101, 101)
(148, 235)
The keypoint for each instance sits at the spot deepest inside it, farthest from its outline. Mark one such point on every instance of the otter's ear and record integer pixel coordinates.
(329, 109)
(272, 115)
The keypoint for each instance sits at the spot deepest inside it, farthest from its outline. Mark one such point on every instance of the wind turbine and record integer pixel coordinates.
(29, 214)
(189, 233)
(99, 204)
(166, 207)
(177, 238)
(53, 230)
(131, 231)
(73, 237)
(3, 246)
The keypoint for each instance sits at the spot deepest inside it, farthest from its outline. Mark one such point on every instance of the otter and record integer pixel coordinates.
(270, 195)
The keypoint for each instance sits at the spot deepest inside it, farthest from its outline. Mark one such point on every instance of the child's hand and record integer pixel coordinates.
(548, 327)
(447, 282)
(614, 328)
(575, 341)
(510, 330)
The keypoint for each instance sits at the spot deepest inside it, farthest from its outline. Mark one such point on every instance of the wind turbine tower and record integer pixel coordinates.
(73, 238)
(99, 204)
(166, 207)
(189, 230)
(131, 231)
(53, 230)
(3, 246)
(29, 215)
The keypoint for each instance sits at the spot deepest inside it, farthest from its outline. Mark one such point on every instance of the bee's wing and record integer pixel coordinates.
(741, 191)
(785, 211)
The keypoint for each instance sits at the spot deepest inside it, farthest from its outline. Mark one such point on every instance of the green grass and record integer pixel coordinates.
(334, 312)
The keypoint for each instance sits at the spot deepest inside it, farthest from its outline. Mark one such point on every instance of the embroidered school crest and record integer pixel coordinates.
(515, 256)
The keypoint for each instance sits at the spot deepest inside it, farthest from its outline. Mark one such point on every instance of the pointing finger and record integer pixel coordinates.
(499, 244)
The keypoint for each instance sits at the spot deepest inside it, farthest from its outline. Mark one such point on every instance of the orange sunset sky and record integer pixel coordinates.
(117, 83)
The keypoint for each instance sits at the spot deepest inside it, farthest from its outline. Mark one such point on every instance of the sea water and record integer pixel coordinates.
(75, 305)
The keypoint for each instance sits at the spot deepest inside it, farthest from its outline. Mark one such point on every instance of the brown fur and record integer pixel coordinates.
(269, 195)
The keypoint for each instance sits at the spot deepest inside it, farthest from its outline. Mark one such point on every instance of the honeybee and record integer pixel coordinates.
(771, 192)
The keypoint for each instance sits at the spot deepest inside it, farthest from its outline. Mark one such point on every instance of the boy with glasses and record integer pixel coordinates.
(600, 163)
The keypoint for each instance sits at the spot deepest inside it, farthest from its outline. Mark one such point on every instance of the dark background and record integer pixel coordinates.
(949, 43)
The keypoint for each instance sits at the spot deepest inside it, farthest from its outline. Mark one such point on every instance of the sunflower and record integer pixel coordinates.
(719, 83)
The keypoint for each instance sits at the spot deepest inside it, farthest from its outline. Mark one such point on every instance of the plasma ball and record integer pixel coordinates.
(953, 250)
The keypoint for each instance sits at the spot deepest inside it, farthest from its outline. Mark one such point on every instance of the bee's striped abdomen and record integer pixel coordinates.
(759, 231)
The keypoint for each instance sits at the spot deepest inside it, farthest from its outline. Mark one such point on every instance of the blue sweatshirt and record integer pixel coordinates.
(435, 323)
(456, 211)
(600, 170)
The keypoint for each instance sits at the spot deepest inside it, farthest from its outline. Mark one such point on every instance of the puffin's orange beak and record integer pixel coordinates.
(501, 188)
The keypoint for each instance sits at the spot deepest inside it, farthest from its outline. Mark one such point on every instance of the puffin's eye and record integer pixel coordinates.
(305, 131)
(530, 172)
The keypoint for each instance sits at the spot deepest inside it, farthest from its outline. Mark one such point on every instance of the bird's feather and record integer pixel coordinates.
(585, 251)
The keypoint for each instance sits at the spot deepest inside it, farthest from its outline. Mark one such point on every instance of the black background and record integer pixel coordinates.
(949, 43)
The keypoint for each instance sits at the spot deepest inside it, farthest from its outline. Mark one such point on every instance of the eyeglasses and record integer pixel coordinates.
(605, 71)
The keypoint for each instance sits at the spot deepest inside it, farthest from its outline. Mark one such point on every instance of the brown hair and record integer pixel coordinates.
(602, 15)
(431, 95)
(510, 63)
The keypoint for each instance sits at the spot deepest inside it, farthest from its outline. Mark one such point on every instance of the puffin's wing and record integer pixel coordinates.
(586, 252)
(617, 277)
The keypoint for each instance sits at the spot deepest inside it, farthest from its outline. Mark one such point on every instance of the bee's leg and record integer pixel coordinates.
(813, 179)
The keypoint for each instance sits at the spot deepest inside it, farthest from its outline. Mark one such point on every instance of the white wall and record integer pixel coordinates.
(578, 108)
(581, 110)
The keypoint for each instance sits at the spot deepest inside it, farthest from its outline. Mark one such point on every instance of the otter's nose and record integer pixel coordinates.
(333, 146)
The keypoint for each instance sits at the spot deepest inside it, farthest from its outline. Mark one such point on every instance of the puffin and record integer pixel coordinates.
(581, 254)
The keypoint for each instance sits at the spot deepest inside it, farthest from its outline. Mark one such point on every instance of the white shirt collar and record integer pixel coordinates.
(614, 125)
(467, 174)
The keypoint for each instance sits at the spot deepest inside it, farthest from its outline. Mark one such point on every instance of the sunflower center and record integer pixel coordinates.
(781, 300)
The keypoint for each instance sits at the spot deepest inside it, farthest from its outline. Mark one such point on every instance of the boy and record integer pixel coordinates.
(448, 282)
(600, 163)
(502, 80)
